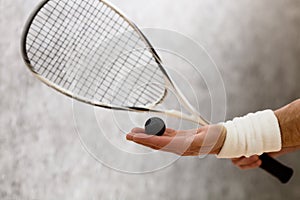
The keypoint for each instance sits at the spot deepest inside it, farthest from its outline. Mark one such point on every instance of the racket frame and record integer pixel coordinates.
(194, 117)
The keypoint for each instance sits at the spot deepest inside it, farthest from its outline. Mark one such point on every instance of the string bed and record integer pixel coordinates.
(89, 50)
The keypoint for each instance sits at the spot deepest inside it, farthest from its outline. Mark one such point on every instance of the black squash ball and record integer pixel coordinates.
(155, 126)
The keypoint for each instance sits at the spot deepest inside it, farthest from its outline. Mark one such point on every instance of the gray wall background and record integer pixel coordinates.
(256, 45)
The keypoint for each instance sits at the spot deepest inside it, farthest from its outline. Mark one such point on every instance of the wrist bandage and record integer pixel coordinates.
(252, 134)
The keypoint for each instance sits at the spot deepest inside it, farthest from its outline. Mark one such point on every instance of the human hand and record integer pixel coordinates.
(205, 140)
(254, 161)
(288, 118)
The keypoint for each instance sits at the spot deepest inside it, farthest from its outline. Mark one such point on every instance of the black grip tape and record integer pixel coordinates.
(278, 170)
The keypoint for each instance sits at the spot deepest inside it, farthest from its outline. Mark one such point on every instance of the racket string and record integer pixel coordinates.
(80, 43)
(138, 76)
(82, 48)
(59, 50)
(58, 28)
(139, 87)
(105, 62)
(39, 44)
(90, 7)
(138, 58)
(123, 62)
(62, 55)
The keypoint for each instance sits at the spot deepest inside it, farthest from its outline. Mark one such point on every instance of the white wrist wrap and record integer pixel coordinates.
(252, 134)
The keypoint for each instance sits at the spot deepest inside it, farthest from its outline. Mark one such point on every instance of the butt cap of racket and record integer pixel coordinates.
(155, 126)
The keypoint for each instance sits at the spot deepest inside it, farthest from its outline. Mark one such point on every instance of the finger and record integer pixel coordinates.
(138, 130)
(235, 161)
(150, 146)
(163, 149)
(181, 145)
(251, 166)
(176, 144)
(157, 148)
(157, 142)
(152, 140)
(142, 130)
(170, 132)
(245, 161)
(129, 136)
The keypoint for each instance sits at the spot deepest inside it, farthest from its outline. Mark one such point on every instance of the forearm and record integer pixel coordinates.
(289, 122)
(261, 132)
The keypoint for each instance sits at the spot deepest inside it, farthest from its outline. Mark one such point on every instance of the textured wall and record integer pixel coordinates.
(256, 45)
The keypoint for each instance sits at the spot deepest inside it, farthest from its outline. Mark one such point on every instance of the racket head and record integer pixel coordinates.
(58, 48)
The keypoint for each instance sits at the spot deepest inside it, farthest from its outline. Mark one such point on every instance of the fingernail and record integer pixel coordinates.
(129, 137)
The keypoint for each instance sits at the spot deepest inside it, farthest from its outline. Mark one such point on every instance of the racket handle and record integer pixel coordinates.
(278, 170)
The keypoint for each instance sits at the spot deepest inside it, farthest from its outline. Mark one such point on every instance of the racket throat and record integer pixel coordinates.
(192, 118)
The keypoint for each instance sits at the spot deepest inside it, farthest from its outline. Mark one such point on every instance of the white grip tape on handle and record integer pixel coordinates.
(253, 134)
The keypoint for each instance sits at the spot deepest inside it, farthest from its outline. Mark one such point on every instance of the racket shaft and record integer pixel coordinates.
(180, 115)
